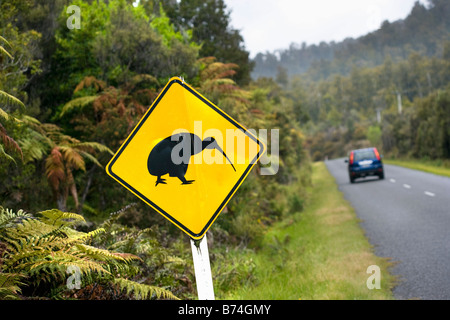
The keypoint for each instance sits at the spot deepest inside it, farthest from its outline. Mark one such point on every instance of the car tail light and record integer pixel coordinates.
(376, 153)
(351, 158)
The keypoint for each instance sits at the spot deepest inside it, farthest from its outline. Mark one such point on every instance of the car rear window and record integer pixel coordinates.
(364, 154)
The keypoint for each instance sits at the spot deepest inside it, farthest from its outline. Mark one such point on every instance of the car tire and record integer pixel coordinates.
(381, 176)
(352, 180)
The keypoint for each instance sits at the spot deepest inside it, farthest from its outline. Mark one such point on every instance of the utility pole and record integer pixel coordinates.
(399, 102)
(380, 103)
(379, 115)
(398, 93)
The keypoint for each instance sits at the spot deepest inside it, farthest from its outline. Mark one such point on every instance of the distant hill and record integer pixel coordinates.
(424, 30)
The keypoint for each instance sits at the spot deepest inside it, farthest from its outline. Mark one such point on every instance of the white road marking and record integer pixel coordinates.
(407, 186)
(428, 193)
(392, 180)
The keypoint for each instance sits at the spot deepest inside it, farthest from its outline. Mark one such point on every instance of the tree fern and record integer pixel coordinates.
(67, 155)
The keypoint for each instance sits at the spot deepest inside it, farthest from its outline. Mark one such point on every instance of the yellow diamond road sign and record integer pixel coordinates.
(185, 158)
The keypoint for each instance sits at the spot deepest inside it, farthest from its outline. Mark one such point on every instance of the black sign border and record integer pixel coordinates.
(154, 205)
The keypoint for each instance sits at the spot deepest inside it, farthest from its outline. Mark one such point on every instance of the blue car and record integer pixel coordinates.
(363, 163)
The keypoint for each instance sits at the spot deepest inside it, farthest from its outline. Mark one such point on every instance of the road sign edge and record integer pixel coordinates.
(261, 151)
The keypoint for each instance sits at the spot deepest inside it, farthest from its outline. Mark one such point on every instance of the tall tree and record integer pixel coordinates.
(210, 22)
(66, 156)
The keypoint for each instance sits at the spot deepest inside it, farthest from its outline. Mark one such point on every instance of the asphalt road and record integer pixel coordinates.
(406, 217)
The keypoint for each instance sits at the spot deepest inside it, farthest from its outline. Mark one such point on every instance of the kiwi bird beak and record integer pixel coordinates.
(220, 150)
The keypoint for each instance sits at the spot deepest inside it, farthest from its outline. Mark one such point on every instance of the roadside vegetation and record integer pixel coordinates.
(439, 167)
(320, 253)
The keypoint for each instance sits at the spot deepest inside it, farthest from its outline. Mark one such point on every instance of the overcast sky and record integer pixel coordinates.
(268, 25)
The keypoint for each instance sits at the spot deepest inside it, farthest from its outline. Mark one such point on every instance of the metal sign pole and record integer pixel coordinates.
(202, 267)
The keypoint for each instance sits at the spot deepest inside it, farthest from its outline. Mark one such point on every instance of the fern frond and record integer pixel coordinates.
(9, 286)
(31, 227)
(90, 81)
(51, 129)
(144, 78)
(143, 291)
(105, 255)
(216, 70)
(84, 236)
(175, 260)
(5, 155)
(8, 218)
(3, 50)
(90, 146)
(24, 252)
(4, 40)
(127, 257)
(4, 115)
(6, 98)
(54, 168)
(60, 261)
(72, 158)
(34, 144)
(29, 120)
(32, 150)
(9, 143)
(90, 157)
(77, 104)
(24, 245)
(56, 217)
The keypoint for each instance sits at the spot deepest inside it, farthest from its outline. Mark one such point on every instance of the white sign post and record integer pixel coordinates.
(202, 267)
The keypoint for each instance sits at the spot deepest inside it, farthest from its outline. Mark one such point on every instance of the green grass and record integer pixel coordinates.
(318, 254)
(440, 167)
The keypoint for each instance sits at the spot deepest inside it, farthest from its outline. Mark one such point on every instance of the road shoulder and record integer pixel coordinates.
(320, 253)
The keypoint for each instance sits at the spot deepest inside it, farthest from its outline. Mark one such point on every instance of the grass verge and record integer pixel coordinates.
(318, 254)
(440, 167)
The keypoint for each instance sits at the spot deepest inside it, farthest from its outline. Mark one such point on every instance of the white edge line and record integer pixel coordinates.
(407, 186)
(428, 193)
